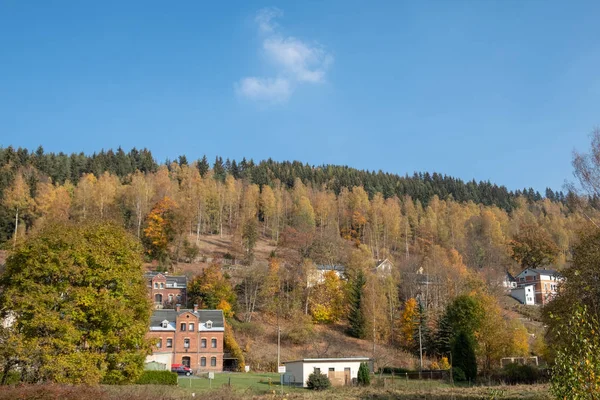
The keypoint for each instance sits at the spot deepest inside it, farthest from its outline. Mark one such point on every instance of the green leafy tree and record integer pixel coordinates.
(356, 318)
(364, 375)
(79, 305)
(576, 370)
(463, 355)
(464, 314)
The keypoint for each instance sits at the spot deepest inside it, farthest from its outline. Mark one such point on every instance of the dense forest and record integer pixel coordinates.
(444, 237)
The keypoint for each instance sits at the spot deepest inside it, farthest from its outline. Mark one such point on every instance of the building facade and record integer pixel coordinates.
(341, 371)
(166, 290)
(543, 282)
(191, 337)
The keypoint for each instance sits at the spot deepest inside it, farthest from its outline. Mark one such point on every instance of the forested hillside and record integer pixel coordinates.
(444, 237)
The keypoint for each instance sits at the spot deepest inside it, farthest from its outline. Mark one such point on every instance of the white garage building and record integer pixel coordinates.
(341, 371)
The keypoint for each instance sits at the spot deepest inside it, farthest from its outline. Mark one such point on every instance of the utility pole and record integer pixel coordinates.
(420, 346)
(278, 345)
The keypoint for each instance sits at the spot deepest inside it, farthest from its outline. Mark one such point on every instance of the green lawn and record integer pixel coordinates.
(238, 381)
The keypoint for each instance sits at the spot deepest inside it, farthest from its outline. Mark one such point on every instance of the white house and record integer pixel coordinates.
(383, 267)
(317, 276)
(544, 281)
(525, 294)
(341, 371)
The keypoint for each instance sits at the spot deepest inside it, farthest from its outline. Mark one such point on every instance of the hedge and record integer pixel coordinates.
(157, 378)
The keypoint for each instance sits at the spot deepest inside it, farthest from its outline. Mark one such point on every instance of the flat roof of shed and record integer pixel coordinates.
(316, 360)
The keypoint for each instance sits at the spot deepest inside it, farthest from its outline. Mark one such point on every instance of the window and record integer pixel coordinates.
(169, 343)
(186, 343)
(213, 343)
(155, 285)
(203, 362)
(208, 324)
(159, 343)
(162, 285)
(158, 298)
(182, 326)
(203, 343)
(170, 298)
(213, 361)
(164, 324)
(191, 327)
(317, 370)
(331, 369)
(185, 361)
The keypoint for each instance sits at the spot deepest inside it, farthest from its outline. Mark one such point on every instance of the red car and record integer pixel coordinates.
(181, 369)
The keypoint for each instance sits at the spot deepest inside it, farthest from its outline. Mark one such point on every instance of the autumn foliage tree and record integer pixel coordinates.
(160, 230)
(86, 312)
(532, 247)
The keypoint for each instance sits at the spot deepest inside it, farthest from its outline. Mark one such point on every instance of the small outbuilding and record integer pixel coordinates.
(341, 371)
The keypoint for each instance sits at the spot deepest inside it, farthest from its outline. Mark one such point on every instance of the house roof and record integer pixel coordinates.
(541, 271)
(339, 268)
(170, 315)
(181, 280)
(341, 359)
(509, 277)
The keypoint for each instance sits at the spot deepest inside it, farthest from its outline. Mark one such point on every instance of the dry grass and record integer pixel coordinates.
(414, 391)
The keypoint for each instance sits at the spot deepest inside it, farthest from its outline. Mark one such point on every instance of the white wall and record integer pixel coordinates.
(525, 294)
(163, 358)
(301, 370)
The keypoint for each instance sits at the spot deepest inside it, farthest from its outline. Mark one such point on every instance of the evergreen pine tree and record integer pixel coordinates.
(364, 375)
(463, 355)
(203, 166)
(356, 318)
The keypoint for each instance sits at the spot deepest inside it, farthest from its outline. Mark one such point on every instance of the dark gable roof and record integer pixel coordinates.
(181, 280)
(216, 316)
(510, 277)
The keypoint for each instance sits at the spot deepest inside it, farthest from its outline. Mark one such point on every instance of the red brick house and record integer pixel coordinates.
(166, 290)
(191, 337)
(544, 283)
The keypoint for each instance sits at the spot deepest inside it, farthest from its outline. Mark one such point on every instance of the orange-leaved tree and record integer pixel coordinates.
(159, 231)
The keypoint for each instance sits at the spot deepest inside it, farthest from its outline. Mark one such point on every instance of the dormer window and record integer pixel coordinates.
(164, 324)
(209, 324)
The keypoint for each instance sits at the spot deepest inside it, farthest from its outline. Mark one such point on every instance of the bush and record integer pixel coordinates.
(394, 370)
(458, 375)
(516, 373)
(318, 381)
(364, 375)
(157, 378)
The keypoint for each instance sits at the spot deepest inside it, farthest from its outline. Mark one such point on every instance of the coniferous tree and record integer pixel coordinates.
(356, 318)
(463, 355)
(203, 166)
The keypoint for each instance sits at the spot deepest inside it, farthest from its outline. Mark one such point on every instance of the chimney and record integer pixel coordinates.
(177, 307)
(195, 307)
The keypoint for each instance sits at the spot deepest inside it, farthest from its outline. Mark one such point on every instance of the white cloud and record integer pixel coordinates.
(264, 19)
(296, 62)
(269, 90)
(305, 62)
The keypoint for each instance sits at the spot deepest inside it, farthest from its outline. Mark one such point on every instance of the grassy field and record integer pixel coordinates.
(256, 386)
(238, 381)
(266, 385)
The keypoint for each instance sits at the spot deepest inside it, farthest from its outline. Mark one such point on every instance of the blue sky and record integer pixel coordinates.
(500, 91)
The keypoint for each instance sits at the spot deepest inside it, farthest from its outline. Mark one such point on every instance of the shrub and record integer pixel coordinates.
(516, 373)
(157, 378)
(394, 370)
(458, 374)
(318, 381)
(364, 375)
